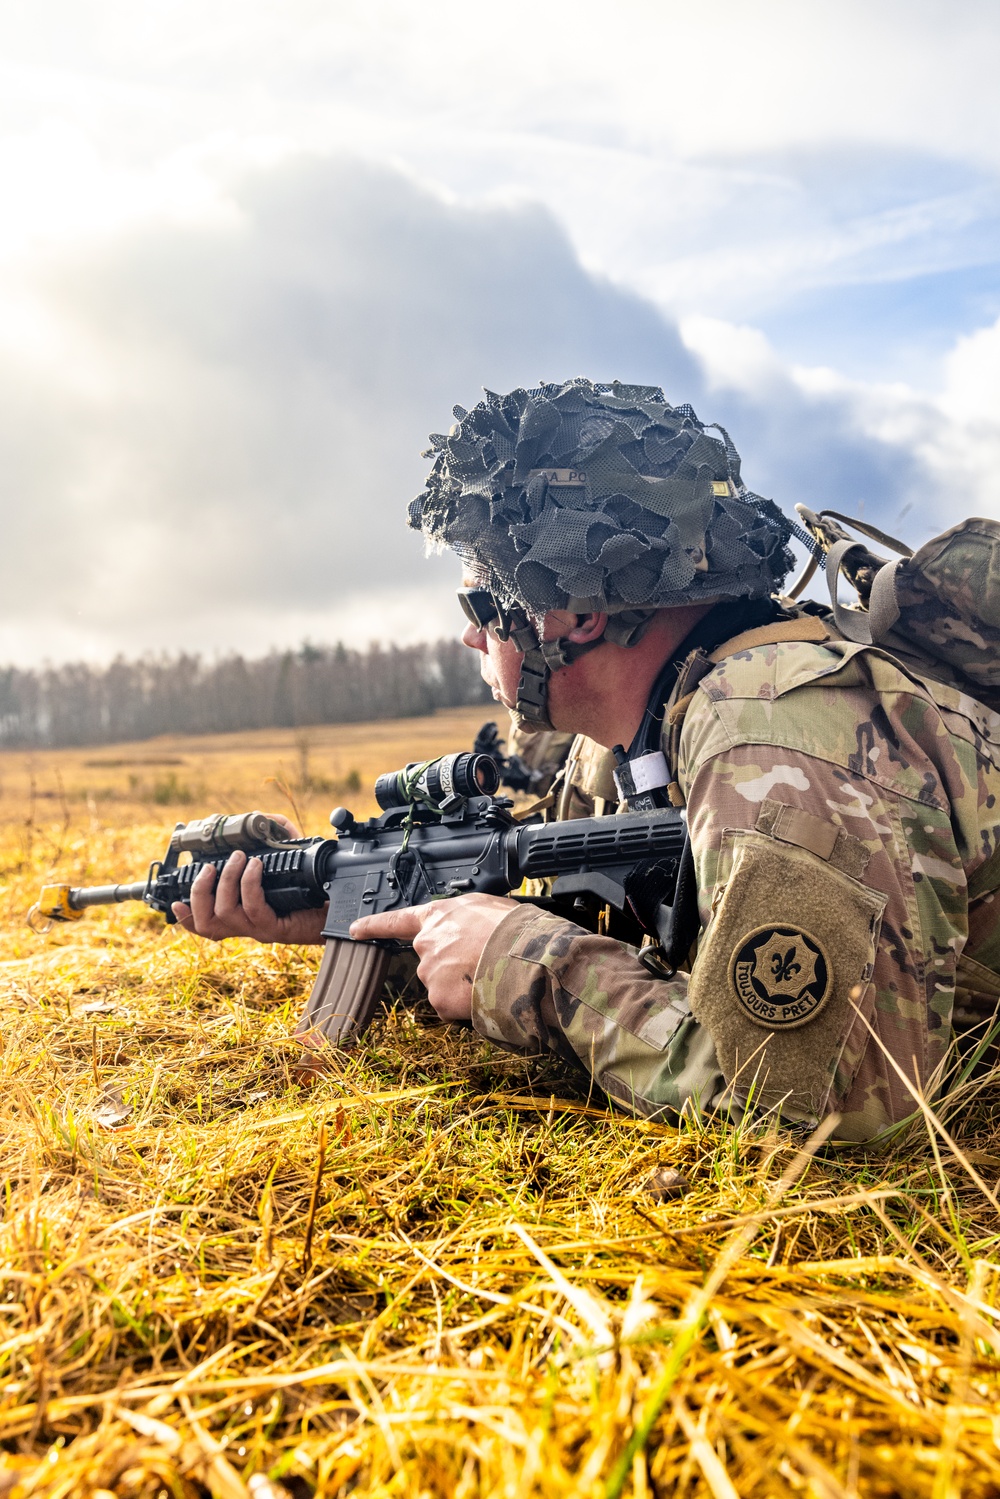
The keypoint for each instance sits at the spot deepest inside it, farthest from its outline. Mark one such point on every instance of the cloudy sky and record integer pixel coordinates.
(252, 253)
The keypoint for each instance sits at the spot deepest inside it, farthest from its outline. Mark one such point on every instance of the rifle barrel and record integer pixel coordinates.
(106, 895)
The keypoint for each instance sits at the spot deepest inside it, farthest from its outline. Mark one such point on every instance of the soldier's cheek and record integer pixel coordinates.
(501, 668)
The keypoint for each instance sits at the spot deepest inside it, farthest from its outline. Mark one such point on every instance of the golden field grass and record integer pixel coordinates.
(440, 1271)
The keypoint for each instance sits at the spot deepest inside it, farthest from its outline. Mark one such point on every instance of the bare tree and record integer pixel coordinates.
(78, 704)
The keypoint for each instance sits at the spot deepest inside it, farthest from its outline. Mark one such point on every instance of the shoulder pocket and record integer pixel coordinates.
(791, 945)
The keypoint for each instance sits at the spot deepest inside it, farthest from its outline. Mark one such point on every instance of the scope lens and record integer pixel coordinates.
(462, 775)
(467, 775)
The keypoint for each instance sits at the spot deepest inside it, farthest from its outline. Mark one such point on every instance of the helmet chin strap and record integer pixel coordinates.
(540, 658)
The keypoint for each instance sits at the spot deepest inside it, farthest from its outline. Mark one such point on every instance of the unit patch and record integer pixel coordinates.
(781, 977)
(773, 978)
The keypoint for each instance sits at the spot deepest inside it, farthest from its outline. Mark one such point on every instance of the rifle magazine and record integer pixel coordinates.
(344, 994)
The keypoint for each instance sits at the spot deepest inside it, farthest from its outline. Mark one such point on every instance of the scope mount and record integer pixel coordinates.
(486, 811)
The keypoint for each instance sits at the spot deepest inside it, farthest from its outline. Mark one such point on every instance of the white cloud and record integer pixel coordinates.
(732, 78)
(205, 425)
(252, 251)
(972, 372)
(944, 446)
(733, 356)
(713, 158)
(965, 451)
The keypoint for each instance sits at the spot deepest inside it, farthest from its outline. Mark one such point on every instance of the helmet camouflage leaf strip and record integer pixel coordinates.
(596, 497)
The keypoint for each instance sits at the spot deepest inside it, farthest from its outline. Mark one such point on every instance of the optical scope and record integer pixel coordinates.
(435, 782)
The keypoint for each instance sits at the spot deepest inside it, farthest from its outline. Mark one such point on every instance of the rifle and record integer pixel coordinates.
(442, 832)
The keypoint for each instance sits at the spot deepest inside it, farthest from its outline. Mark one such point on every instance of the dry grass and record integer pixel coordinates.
(438, 1273)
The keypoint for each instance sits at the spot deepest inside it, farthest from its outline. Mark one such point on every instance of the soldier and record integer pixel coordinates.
(841, 798)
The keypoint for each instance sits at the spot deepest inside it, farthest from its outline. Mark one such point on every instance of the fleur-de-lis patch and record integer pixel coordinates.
(783, 966)
(781, 976)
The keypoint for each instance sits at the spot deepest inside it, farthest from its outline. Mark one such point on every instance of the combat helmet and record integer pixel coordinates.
(594, 497)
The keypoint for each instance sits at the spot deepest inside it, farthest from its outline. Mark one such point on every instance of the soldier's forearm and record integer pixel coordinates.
(544, 984)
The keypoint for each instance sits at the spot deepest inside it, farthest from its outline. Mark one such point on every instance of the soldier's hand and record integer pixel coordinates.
(236, 906)
(286, 823)
(448, 937)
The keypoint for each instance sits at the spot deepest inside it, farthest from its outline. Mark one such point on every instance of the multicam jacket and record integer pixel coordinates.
(543, 753)
(845, 826)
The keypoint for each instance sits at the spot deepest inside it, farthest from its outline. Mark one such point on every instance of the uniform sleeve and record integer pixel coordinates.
(835, 912)
(792, 925)
(544, 984)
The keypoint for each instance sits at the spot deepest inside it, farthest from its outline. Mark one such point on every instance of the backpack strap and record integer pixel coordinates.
(863, 626)
(870, 625)
(872, 532)
(805, 628)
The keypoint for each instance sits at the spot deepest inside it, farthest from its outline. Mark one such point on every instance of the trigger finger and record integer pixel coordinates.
(403, 924)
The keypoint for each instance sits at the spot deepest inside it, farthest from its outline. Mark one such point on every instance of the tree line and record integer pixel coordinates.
(79, 703)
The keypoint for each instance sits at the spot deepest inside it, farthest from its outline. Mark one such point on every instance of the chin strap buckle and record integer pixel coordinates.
(541, 659)
(533, 688)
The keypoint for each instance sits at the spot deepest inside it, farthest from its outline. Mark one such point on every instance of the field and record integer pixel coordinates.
(441, 1270)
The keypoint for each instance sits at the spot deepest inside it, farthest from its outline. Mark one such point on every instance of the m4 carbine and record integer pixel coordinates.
(441, 833)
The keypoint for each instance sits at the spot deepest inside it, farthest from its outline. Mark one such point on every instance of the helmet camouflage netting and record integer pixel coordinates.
(599, 497)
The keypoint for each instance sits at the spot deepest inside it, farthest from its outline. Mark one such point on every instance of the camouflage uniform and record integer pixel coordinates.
(544, 752)
(846, 834)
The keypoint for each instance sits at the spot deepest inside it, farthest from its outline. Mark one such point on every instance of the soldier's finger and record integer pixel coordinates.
(182, 915)
(252, 897)
(286, 822)
(227, 891)
(403, 925)
(203, 899)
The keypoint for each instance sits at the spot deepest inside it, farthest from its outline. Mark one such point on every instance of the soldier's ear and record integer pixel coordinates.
(588, 627)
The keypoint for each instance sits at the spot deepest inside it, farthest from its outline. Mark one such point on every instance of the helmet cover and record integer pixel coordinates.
(598, 497)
